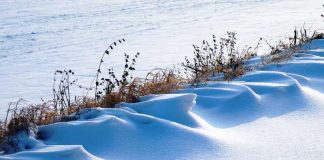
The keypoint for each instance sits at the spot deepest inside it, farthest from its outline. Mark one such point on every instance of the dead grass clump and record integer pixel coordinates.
(283, 50)
(161, 81)
(156, 82)
(111, 89)
(219, 58)
(23, 117)
(230, 74)
(20, 118)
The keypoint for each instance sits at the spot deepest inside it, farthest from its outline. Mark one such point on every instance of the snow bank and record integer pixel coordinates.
(274, 113)
(49, 152)
(124, 134)
(173, 107)
(222, 102)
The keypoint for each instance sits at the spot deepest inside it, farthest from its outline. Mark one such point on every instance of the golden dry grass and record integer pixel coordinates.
(23, 117)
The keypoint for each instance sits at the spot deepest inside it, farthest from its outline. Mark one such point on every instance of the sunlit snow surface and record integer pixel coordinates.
(37, 37)
(275, 112)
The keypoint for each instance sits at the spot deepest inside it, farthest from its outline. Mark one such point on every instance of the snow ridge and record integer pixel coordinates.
(274, 113)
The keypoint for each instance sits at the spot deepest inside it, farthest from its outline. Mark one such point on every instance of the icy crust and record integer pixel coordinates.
(273, 113)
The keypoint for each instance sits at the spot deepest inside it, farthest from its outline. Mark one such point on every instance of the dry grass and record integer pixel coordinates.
(161, 81)
(218, 58)
(22, 117)
(156, 82)
(283, 50)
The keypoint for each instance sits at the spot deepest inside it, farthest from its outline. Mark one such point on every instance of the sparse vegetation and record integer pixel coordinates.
(161, 81)
(285, 49)
(22, 119)
(217, 58)
(109, 91)
(221, 59)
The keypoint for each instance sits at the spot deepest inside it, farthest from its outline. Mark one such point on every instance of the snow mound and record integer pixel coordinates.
(273, 113)
(173, 107)
(61, 152)
(124, 134)
(222, 103)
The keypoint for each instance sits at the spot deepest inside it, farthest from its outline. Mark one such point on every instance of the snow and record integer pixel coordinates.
(275, 112)
(55, 153)
(170, 107)
(38, 37)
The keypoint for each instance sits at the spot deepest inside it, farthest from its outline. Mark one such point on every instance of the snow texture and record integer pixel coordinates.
(273, 113)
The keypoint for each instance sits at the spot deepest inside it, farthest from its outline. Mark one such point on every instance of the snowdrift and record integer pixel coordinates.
(273, 113)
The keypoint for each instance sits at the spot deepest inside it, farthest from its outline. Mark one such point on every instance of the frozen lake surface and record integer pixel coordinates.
(40, 36)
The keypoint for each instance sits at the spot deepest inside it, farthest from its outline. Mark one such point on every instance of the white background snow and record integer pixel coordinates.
(37, 37)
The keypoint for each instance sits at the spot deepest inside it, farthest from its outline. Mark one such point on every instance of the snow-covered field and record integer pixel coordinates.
(273, 113)
(40, 36)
